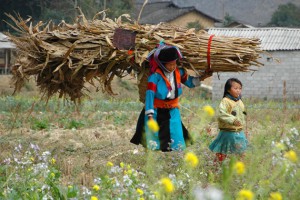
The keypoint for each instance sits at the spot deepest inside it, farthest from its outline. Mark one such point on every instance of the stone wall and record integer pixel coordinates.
(268, 82)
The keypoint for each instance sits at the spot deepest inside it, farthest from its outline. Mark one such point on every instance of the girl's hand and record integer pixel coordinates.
(237, 123)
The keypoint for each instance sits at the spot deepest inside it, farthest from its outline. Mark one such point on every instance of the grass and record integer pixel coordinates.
(62, 151)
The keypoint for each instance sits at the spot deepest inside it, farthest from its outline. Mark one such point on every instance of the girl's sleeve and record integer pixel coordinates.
(150, 94)
(187, 80)
(224, 113)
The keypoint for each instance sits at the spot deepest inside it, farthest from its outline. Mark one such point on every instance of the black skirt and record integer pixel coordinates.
(163, 118)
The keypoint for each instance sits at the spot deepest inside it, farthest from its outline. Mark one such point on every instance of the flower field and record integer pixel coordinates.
(62, 151)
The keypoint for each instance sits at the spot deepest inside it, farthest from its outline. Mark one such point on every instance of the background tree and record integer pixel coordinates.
(227, 19)
(119, 7)
(24, 7)
(57, 10)
(287, 15)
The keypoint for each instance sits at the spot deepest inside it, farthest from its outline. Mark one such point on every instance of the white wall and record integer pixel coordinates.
(268, 81)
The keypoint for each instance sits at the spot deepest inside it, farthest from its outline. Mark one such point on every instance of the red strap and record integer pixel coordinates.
(208, 51)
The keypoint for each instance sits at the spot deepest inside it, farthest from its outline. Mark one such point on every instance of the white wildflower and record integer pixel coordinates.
(97, 181)
(34, 147)
(18, 148)
(135, 151)
(45, 188)
(115, 169)
(47, 197)
(172, 176)
(294, 131)
(86, 191)
(127, 180)
(7, 161)
(152, 145)
(210, 193)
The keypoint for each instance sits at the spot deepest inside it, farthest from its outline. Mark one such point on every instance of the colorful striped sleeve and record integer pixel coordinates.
(150, 93)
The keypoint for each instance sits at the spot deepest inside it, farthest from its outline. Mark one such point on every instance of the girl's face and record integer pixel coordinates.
(235, 90)
(171, 65)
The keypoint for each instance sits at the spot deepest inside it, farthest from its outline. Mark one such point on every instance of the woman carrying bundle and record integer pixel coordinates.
(162, 101)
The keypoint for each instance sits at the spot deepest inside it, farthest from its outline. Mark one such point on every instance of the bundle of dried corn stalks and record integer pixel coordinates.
(64, 57)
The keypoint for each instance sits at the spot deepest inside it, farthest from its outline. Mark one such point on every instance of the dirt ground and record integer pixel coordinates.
(5, 86)
(79, 152)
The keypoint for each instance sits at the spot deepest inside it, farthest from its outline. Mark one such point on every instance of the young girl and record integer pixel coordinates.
(231, 120)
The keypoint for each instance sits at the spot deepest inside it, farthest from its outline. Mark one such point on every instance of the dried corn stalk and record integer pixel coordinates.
(64, 57)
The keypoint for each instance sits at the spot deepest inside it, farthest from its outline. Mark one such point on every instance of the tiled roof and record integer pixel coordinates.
(156, 12)
(272, 39)
(256, 13)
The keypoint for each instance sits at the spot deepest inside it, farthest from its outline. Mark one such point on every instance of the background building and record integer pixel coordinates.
(6, 54)
(166, 11)
(281, 71)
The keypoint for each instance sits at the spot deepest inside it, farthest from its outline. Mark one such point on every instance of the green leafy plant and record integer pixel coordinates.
(196, 25)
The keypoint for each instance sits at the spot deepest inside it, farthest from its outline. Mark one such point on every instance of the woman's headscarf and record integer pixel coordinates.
(161, 55)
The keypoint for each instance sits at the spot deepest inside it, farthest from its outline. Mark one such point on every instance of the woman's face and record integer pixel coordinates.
(235, 90)
(171, 65)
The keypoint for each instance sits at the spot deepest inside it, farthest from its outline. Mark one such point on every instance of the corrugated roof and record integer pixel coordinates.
(272, 39)
(5, 43)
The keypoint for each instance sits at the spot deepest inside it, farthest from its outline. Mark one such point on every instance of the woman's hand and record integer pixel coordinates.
(150, 117)
(206, 74)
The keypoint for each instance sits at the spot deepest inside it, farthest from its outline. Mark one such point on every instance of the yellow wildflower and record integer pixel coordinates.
(96, 187)
(191, 159)
(140, 191)
(245, 195)
(280, 146)
(264, 183)
(275, 196)
(157, 194)
(70, 187)
(167, 184)
(239, 167)
(153, 126)
(109, 164)
(141, 198)
(52, 175)
(129, 172)
(53, 161)
(113, 181)
(121, 164)
(209, 110)
(32, 159)
(291, 155)
(94, 198)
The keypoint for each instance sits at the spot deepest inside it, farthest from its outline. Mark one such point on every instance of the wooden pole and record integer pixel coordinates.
(284, 108)
(6, 60)
(284, 96)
